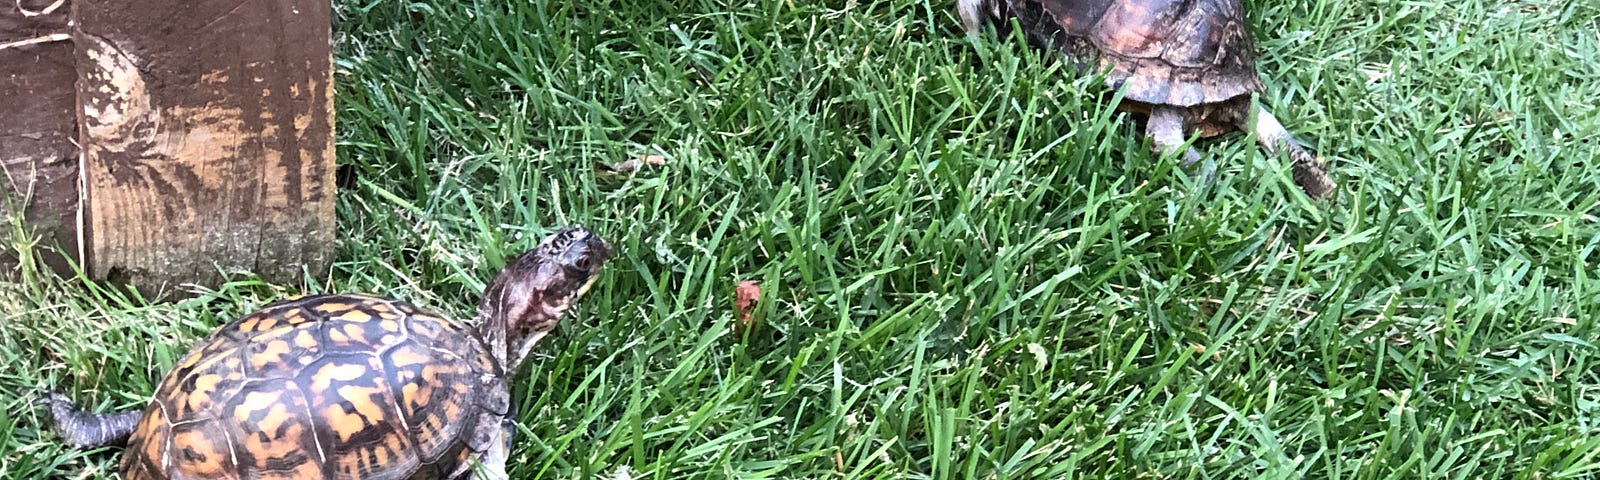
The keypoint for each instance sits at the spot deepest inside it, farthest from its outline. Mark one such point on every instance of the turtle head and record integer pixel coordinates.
(531, 294)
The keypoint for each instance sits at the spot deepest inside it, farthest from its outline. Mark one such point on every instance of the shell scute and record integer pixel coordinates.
(154, 427)
(274, 433)
(201, 391)
(429, 391)
(284, 352)
(358, 426)
(200, 450)
(1137, 29)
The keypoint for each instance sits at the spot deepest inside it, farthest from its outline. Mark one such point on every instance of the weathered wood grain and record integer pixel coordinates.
(38, 156)
(207, 132)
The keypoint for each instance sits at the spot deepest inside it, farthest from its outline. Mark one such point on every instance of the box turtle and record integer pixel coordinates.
(349, 386)
(1188, 65)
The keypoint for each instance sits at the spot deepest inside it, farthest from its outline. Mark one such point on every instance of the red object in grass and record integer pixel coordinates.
(745, 297)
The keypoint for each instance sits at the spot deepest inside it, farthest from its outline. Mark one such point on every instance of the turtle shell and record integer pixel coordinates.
(1167, 52)
(332, 386)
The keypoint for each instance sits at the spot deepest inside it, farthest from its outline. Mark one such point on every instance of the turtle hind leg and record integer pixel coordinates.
(1165, 129)
(1309, 172)
(89, 430)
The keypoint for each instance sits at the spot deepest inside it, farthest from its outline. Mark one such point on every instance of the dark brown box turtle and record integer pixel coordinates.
(1189, 65)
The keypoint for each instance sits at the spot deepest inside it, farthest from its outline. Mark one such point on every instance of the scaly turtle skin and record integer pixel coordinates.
(349, 386)
(1187, 64)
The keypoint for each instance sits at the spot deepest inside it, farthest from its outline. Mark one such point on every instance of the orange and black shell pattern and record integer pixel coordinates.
(331, 386)
(1167, 52)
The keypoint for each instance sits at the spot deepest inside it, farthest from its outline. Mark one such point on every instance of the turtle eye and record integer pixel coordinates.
(582, 263)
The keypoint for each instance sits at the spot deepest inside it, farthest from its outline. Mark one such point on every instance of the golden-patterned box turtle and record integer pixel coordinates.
(1189, 65)
(349, 386)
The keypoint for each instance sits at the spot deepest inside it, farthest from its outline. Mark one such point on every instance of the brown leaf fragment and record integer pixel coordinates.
(745, 297)
(634, 164)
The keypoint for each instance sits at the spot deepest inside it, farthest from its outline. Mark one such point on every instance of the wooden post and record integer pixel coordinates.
(38, 153)
(207, 129)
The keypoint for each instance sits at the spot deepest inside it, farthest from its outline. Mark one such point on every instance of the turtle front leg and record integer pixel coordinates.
(1309, 172)
(493, 461)
(971, 12)
(1165, 130)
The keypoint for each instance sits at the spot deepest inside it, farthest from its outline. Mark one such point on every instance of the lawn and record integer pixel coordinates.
(971, 266)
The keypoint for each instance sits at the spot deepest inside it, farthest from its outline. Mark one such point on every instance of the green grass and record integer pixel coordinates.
(972, 268)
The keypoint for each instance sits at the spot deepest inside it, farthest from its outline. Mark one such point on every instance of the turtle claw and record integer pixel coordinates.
(52, 398)
(1190, 158)
(1311, 174)
(1207, 172)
